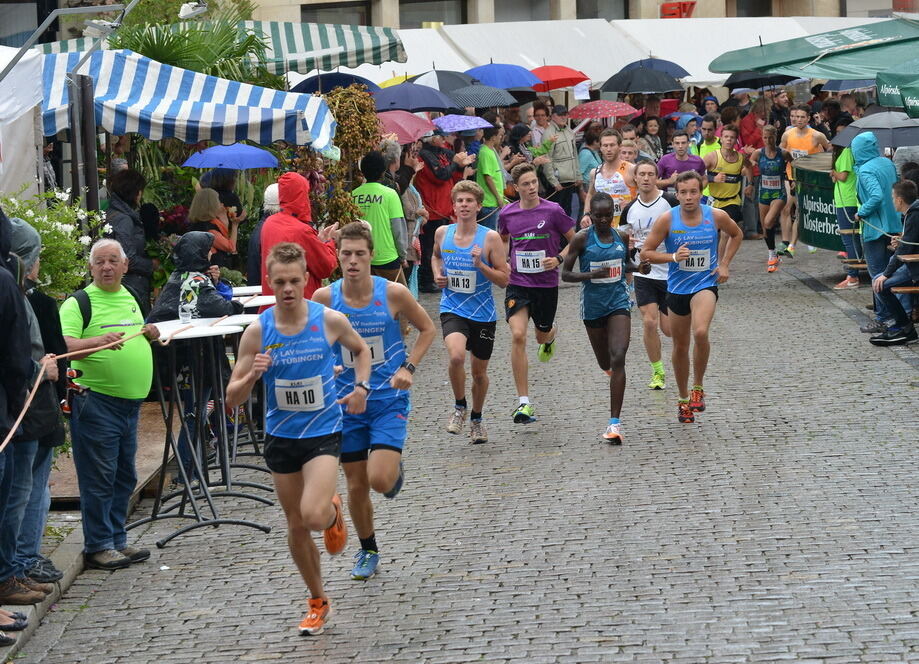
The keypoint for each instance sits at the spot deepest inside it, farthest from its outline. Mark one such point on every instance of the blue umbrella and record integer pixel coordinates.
(452, 123)
(412, 98)
(326, 82)
(658, 64)
(848, 84)
(504, 76)
(238, 156)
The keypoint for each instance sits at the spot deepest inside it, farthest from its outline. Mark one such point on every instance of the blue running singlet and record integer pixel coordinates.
(300, 383)
(600, 297)
(772, 176)
(696, 272)
(382, 335)
(468, 291)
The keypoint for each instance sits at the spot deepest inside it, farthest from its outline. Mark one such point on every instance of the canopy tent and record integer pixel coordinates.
(301, 47)
(858, 52)
(18, 136)
(136, 94)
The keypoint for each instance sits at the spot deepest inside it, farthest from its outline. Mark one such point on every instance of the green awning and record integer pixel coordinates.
(890, 81)
(302, 47)
(859, 52)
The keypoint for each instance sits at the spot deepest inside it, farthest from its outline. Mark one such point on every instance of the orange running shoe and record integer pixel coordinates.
(684, 413)
(697, 399)
(336, 535)
(317, 617)
(772, 264)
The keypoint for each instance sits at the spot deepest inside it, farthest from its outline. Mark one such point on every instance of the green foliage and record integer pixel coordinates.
(164, 12)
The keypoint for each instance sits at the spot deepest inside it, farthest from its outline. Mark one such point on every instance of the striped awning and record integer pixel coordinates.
(134, 94)
(301, 47)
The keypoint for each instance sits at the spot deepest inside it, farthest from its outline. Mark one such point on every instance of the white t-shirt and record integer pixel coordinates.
(641, 216)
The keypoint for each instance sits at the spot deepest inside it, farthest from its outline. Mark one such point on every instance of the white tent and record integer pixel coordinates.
(19, 139)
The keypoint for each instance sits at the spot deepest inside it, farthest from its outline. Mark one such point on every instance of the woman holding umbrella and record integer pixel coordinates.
(208, 214)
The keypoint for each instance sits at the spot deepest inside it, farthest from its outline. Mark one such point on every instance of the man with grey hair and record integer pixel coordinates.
(112, 384)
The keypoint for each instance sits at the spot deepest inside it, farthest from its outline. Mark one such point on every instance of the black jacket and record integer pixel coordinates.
(128, 229)
(908, 244)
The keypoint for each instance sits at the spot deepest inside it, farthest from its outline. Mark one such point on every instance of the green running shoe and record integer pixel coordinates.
(525, 414)
(657, 381)
(546, 351)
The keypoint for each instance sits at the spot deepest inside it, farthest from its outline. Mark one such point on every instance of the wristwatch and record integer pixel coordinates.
(408, 366)
(364, 384)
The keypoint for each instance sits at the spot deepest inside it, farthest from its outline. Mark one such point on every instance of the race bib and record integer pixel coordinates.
(377, 352)
(771, 182)
(530, 262)
(300, 395)
(795, 154)
(462, 281)
(615, 271)
(698, 260)
(617, 207)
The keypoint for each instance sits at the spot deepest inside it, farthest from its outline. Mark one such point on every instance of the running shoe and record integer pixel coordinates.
(336, 535)
(457, 420)
(847, 284)
(841, 254)
(810, 249)
(546, 351)
(697, 399)
(772, 264)
(525, 414)
(896, 336)
(790, 250)
(317, 617)
(657, 381)
(365, 564)
(477, 433)
(608, 372)
(397, 487)
(613, 434)
(783, 249)
(684, 413)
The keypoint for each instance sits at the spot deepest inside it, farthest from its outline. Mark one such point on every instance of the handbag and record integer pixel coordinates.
(44, 415)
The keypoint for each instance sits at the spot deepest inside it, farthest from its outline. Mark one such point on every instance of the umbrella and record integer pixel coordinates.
(326, 82)
(504, 76)
(412, 98)
(601, 109)
(756, 80)
(482, 96)
(395, 80)
(658, 64)
(443, 79)
(840, 85)
(641, 80)
(238, 156)
(557, 76)
(406, 126)
(891, 128)
(452, 123)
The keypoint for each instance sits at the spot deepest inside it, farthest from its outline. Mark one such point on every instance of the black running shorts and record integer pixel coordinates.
(678, 303)
(289, 455)
(600, 323)
(651, 291)
(542, 304)
(480, 336)
(735, 212)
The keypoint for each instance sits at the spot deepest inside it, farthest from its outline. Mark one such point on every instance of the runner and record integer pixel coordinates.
(372, 442)
(650, 288)
(680, 160)
(771, 161)
(710, 143)
(291, 347)
(532, 230)
(799, 140)
(726, 169)
(696, 268)
(604, 257)
(615, 176)
(468, 259)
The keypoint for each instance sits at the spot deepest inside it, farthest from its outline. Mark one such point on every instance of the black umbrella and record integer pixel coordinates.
(482, 96)
(443, 79)
(891, 128)
(756, 80)
(641, 80)
(412, 98)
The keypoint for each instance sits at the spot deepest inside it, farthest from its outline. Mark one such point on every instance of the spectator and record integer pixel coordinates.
(741, 101)
(270, 205)
(415, 214)
(845, 199)
(392, 159)
(751, 126)
(126, 189)
(104, 411)
(834, 117)
(780, 116)
(490, 177)
(709, 105)
(650, 142)
(630, 133)
(223, 181)
(540, 122)
(208, 214)
(292, 224)
(563, 173)
(381, 207)
(849, 104)
(589, 157)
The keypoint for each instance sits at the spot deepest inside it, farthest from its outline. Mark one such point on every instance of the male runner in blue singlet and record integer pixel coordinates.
(691, 235)
(291, 345)
(372, 442)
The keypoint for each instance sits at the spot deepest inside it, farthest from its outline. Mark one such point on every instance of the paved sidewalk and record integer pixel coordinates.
(780, 527)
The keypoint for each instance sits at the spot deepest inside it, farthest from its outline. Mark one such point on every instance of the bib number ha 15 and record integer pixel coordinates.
(530, 262)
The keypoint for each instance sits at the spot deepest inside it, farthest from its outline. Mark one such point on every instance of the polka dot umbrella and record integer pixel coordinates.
(601, 108)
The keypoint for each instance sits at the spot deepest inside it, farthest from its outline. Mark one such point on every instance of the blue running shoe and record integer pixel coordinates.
(365, 564)
(397, 487)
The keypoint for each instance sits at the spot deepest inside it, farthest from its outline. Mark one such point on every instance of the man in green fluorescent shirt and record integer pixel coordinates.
(490, 177)
(846, 201)
(103, 422)
(381, 207)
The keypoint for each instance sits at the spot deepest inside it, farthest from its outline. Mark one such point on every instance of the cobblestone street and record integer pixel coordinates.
(781, 526)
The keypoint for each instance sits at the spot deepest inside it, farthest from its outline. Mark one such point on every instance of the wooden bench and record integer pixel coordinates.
(857, 266)
(905, 289)
(909, 258)
(849, 231)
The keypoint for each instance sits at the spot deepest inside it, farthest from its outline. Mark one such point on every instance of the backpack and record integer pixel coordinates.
(86, 307)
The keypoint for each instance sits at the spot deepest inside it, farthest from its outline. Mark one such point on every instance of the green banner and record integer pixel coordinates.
(891, 81)
(910, 99)
(816, 210)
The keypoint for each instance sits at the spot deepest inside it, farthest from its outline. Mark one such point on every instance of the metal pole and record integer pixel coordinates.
(90, 152)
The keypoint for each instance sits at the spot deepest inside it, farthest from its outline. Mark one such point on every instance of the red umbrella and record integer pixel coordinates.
(557, 76)
(601, 108)
(407, 126)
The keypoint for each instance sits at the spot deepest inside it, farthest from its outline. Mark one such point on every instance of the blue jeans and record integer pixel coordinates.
(877, 255)
(28, 547)
(488, 217)
(892, 301)
(14, 507)
(6, 482)
(852, 243)
(104, 432)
